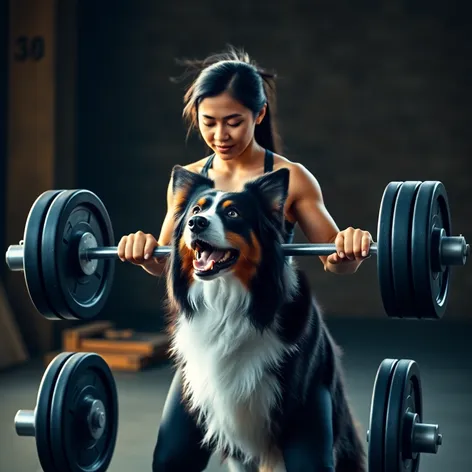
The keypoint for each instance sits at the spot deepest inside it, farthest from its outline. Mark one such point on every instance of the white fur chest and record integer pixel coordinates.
(226, 367)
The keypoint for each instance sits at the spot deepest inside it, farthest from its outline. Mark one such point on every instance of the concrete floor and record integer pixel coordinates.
(442, 349)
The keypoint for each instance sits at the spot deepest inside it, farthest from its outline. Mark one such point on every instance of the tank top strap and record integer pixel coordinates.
(268, 161)
(207, 166)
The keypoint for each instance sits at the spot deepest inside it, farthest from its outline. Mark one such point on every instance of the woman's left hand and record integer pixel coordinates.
(351, 245)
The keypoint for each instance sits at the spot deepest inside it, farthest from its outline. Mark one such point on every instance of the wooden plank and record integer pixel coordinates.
(12, 348)
(138, 343)
(72, 337)
(31, 136)
(41, 132)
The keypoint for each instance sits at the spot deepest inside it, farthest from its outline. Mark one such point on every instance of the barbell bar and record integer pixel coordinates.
(67, 252)
(15, 254)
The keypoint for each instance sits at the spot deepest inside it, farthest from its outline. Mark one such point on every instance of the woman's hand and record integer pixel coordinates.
(137, 248)
(351, 245)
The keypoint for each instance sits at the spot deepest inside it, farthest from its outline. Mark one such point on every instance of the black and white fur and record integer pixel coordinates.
(250, 356)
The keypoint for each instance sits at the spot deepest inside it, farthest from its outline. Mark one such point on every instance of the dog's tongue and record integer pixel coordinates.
(207, 260)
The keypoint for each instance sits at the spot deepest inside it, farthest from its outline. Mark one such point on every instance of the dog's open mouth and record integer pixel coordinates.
(210, 260)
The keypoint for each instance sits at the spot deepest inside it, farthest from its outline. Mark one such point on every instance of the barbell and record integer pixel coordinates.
(68, 255)
(75, 420)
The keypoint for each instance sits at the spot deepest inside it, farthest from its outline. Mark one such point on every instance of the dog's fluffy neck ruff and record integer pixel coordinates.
(228, 364)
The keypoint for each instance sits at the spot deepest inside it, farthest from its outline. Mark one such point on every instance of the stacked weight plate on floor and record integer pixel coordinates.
(397, 436)
(75, 421)
(60, 285)
(414, 283)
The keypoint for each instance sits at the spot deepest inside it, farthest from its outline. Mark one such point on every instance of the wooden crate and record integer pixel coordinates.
(124, 350)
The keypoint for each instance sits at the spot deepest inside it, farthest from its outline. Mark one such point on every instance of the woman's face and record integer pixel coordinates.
(226, 125)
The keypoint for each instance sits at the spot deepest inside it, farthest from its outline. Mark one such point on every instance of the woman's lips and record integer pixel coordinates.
(223, 149)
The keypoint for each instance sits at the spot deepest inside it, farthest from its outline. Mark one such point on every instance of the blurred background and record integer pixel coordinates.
(368, 92)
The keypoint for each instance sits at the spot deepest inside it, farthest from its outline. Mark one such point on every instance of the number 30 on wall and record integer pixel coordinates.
(29, 48)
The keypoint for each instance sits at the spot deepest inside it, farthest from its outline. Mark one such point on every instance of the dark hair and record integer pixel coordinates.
(233, 71)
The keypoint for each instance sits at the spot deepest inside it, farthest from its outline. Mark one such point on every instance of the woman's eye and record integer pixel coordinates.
(196, 210)
(232, 213)
(234, 125)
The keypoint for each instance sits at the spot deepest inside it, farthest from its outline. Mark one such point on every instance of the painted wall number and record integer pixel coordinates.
(29, 48)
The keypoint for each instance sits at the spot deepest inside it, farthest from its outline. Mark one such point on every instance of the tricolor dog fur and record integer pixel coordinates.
(247, 332)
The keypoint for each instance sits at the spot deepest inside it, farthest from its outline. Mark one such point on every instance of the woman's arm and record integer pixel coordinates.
(138, 247)
(308, 208)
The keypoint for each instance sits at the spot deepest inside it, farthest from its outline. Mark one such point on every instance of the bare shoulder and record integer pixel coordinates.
(196, 166)
(301, 179)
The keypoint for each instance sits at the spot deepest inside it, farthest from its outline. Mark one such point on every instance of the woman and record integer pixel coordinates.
(232, 104)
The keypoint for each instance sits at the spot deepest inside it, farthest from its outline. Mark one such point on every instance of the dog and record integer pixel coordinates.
(246, 331)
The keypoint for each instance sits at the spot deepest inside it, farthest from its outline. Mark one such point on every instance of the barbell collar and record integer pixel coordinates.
(24, 423)
(426, 438)
(14, 257)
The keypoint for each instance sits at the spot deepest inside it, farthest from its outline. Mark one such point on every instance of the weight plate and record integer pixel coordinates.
(431, 286)
(405, 397)
(401, 250)
(378, 414)
(42, 412)
(83, 441)
(74, 294)
(384, 247)
(32, 254)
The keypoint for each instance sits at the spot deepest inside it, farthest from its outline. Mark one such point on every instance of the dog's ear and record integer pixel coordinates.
(185, 184)
(273, 188)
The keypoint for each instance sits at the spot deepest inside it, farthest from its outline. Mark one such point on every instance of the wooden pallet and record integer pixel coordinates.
(124, 350)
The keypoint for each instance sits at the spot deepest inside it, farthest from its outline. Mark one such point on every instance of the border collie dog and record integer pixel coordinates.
(261, 374)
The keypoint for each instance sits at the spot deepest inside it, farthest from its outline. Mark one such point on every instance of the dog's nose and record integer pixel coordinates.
(198, 223)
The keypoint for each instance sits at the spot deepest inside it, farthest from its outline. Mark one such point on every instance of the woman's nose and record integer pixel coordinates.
(221, 134)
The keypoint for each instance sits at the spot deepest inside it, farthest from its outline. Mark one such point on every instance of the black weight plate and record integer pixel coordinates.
(73, 294)
(431, 286)
(43, 411)
(378, 414)
(384, 248)
(32, 254)
(401, 250)
(85, 376)
(405, 396)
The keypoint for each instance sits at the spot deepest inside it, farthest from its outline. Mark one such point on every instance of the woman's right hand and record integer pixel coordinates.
(137, 248)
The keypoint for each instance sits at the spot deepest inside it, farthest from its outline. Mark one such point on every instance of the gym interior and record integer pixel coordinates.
(368, 93)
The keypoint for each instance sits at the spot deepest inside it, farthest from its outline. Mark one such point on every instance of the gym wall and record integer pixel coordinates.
(369, 92)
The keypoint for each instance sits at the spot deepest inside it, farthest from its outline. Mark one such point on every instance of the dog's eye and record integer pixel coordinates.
(196, 210)
(232, 213)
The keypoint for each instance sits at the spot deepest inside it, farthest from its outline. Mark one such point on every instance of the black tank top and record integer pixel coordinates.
(268, 167)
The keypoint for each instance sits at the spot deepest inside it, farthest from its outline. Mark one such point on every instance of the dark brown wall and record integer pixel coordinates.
(367, 94)
(3, 116)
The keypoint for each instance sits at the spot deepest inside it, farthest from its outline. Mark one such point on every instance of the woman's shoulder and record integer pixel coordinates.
(296, 168)
(301, 178)
(197, 166)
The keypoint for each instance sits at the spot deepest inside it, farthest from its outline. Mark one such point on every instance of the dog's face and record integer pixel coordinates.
(221, 232)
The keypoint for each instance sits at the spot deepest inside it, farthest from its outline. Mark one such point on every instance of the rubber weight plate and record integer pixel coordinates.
(378, 415)
(43, 411)
(430, 281)
(32, 254)
(384, 248)
(84, 415)
(401, 250)
(405, 399)
(73, 293)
